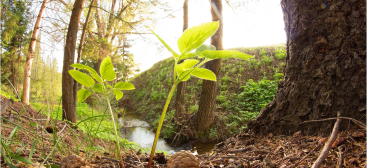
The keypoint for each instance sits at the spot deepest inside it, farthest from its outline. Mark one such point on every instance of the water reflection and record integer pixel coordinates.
(134, 129)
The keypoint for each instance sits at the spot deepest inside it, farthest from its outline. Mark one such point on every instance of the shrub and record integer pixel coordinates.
(221, 99)
(280, 54)
(262, 52)
(266, 60)
(213, 133)
(225, 80)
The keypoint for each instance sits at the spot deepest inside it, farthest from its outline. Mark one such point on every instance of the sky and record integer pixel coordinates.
(259, 23)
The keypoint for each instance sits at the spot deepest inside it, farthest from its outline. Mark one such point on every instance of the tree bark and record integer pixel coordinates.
(180, 95)
(325, 68)
(80, 48)
(28, 64)
(205, 115)
(68, 99)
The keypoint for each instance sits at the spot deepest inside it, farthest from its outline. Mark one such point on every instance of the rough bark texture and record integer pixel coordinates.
(80, 48)
(205, 115)
(68, 99)
(325, 68)
(28, 64)
(180, 95)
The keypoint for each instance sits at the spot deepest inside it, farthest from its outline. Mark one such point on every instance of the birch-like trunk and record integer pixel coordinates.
(28, 64)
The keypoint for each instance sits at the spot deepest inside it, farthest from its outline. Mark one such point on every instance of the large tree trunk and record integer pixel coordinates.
(180, 95)
(325, 68)
(80, 48)
(28, 64)
(68, 99)
(205, 115)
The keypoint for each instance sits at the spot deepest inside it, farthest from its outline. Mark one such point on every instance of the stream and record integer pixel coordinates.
(134, 129)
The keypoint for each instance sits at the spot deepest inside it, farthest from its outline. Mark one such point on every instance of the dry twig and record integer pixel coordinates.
(360, 124)
(328, 144)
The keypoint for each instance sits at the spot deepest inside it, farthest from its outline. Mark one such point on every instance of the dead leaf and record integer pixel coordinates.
(358, 134)
(338, 142)
(297, 134)
(322, 141)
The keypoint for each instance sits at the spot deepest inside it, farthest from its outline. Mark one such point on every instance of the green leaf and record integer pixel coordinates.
(175, 55)
(118, 93)
(203, 73)
(179, 69)
(124, 86)
(91, 71)
(32, 149)
(98, 88)
(7, 160)
(15, 157)
(189, 63)
(203, 48)
(181, 73)
(187, 55)
(13, 132)
(83, 94)
(226, 54)
(106, 69)
(195, 36)
(82, 78)
(183, 76)
(109, 86)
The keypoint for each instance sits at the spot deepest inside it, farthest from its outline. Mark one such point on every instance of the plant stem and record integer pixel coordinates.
(160, 124)
(114, 125)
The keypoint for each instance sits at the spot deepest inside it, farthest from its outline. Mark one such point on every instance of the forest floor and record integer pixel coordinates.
(243, 150)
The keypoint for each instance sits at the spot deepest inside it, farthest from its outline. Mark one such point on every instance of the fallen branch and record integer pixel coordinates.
(62, 129)
(360, 124)
(242, 157)
(240, 150)
(294, 165)
(328, 144)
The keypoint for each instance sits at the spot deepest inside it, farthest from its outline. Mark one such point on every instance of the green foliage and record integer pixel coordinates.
(266, 60)
(195, 36)
(280, 54)
(14, 39)
(262, 52)
(246, 105)
(256, 95)
(107, 74)
(221, 99)
(278, 76)
(225, 80)
(191, 39)
(213, 133)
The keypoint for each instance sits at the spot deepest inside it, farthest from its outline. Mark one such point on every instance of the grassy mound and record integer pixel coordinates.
(244, 87)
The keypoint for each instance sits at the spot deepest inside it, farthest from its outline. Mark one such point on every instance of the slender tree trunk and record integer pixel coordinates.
(205, 115)
(13, 67)
(325, 68)
(68, 99)
(180, 95)
(28, 64)
(81, 46)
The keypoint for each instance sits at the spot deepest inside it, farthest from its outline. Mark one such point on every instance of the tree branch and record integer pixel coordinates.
(328, 144)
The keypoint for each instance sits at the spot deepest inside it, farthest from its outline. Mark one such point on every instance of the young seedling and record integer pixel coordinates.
(191, 39)
(107, 74)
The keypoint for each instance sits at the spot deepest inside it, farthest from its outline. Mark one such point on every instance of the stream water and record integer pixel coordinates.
(136, 130)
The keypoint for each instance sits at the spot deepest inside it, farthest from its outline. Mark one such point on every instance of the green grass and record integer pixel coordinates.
(97, 124)
(152, 84)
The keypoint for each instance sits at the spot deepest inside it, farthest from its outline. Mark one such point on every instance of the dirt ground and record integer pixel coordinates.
(244, 150)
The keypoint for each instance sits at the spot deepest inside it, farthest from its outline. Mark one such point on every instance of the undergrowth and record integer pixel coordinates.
(233, 106)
